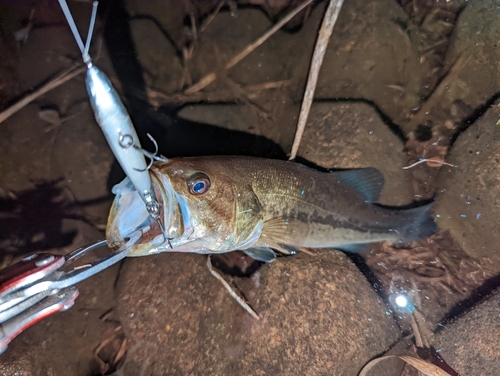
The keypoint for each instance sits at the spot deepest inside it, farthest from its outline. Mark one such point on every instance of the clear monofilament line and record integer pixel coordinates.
(83, 48)
(85, 54)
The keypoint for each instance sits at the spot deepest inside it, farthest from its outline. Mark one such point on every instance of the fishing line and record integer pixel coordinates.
(84, 49)
(85, 53)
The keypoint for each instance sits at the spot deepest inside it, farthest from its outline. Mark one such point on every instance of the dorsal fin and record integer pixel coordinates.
(368, 182)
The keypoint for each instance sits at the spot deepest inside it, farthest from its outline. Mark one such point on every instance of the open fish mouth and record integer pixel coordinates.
(130, 223)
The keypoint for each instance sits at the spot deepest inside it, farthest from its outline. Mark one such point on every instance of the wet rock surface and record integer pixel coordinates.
(318, 316)
(161, 65)
(471, 344)
(469, 200)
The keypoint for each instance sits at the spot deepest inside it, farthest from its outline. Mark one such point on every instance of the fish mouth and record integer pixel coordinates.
(130, 224)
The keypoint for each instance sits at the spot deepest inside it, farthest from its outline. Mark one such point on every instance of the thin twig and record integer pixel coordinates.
(416, 332)
(329, 20)
(240, 301)
(423, 160)
(211, 77)
(424, 367)
(193, 27)
(107, 341)
(157, 98)
(211, 17)
(67, 75)
(308, 251)
(121, 352)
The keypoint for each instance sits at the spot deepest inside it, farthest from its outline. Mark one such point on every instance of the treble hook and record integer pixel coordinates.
(127, 141)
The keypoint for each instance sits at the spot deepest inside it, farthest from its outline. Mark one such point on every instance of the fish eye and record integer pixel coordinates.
(198, 184)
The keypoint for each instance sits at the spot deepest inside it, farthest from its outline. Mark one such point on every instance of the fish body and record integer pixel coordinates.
(222, 204)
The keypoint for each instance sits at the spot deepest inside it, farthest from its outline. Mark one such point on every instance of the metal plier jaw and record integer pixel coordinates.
(36, 287)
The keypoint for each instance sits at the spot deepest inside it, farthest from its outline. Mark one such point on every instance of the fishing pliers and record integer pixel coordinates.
(36, 287)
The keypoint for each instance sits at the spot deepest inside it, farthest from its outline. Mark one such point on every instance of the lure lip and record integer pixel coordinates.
(128, 215)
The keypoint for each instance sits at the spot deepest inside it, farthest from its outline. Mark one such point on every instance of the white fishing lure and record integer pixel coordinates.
(114, 120)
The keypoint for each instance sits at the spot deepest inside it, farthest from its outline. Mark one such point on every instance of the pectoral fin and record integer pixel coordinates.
(248, 218)
(281, 234)
(263, 254)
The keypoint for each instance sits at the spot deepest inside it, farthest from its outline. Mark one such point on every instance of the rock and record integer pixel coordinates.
(468, 204)
(227, 116)
(475, 38)
(162, 68)
(269, 112)
(360, 62)
(471, 344)
(318, 316)
(279, 127)
(369, 45)
(170, 17)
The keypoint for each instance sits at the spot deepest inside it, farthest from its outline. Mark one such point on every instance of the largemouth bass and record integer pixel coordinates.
(259, 206)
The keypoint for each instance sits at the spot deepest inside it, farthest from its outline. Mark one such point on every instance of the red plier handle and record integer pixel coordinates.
(49, 305)
(35, 287)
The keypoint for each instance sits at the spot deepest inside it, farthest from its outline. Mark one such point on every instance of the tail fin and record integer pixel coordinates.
(417, 223)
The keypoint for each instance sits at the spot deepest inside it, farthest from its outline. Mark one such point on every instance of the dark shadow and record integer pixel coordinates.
(236, 264)
(123, 55)
(32, 220)
(160, 28)
(373, 280)
(175, 137)
(477, 296)
(478, 112)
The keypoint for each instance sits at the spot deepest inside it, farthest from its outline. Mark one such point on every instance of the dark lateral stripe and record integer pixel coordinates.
(331, 221)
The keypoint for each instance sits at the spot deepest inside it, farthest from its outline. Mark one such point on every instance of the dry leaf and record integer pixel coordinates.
(428, 369)
(435, 161)
(50, 116)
